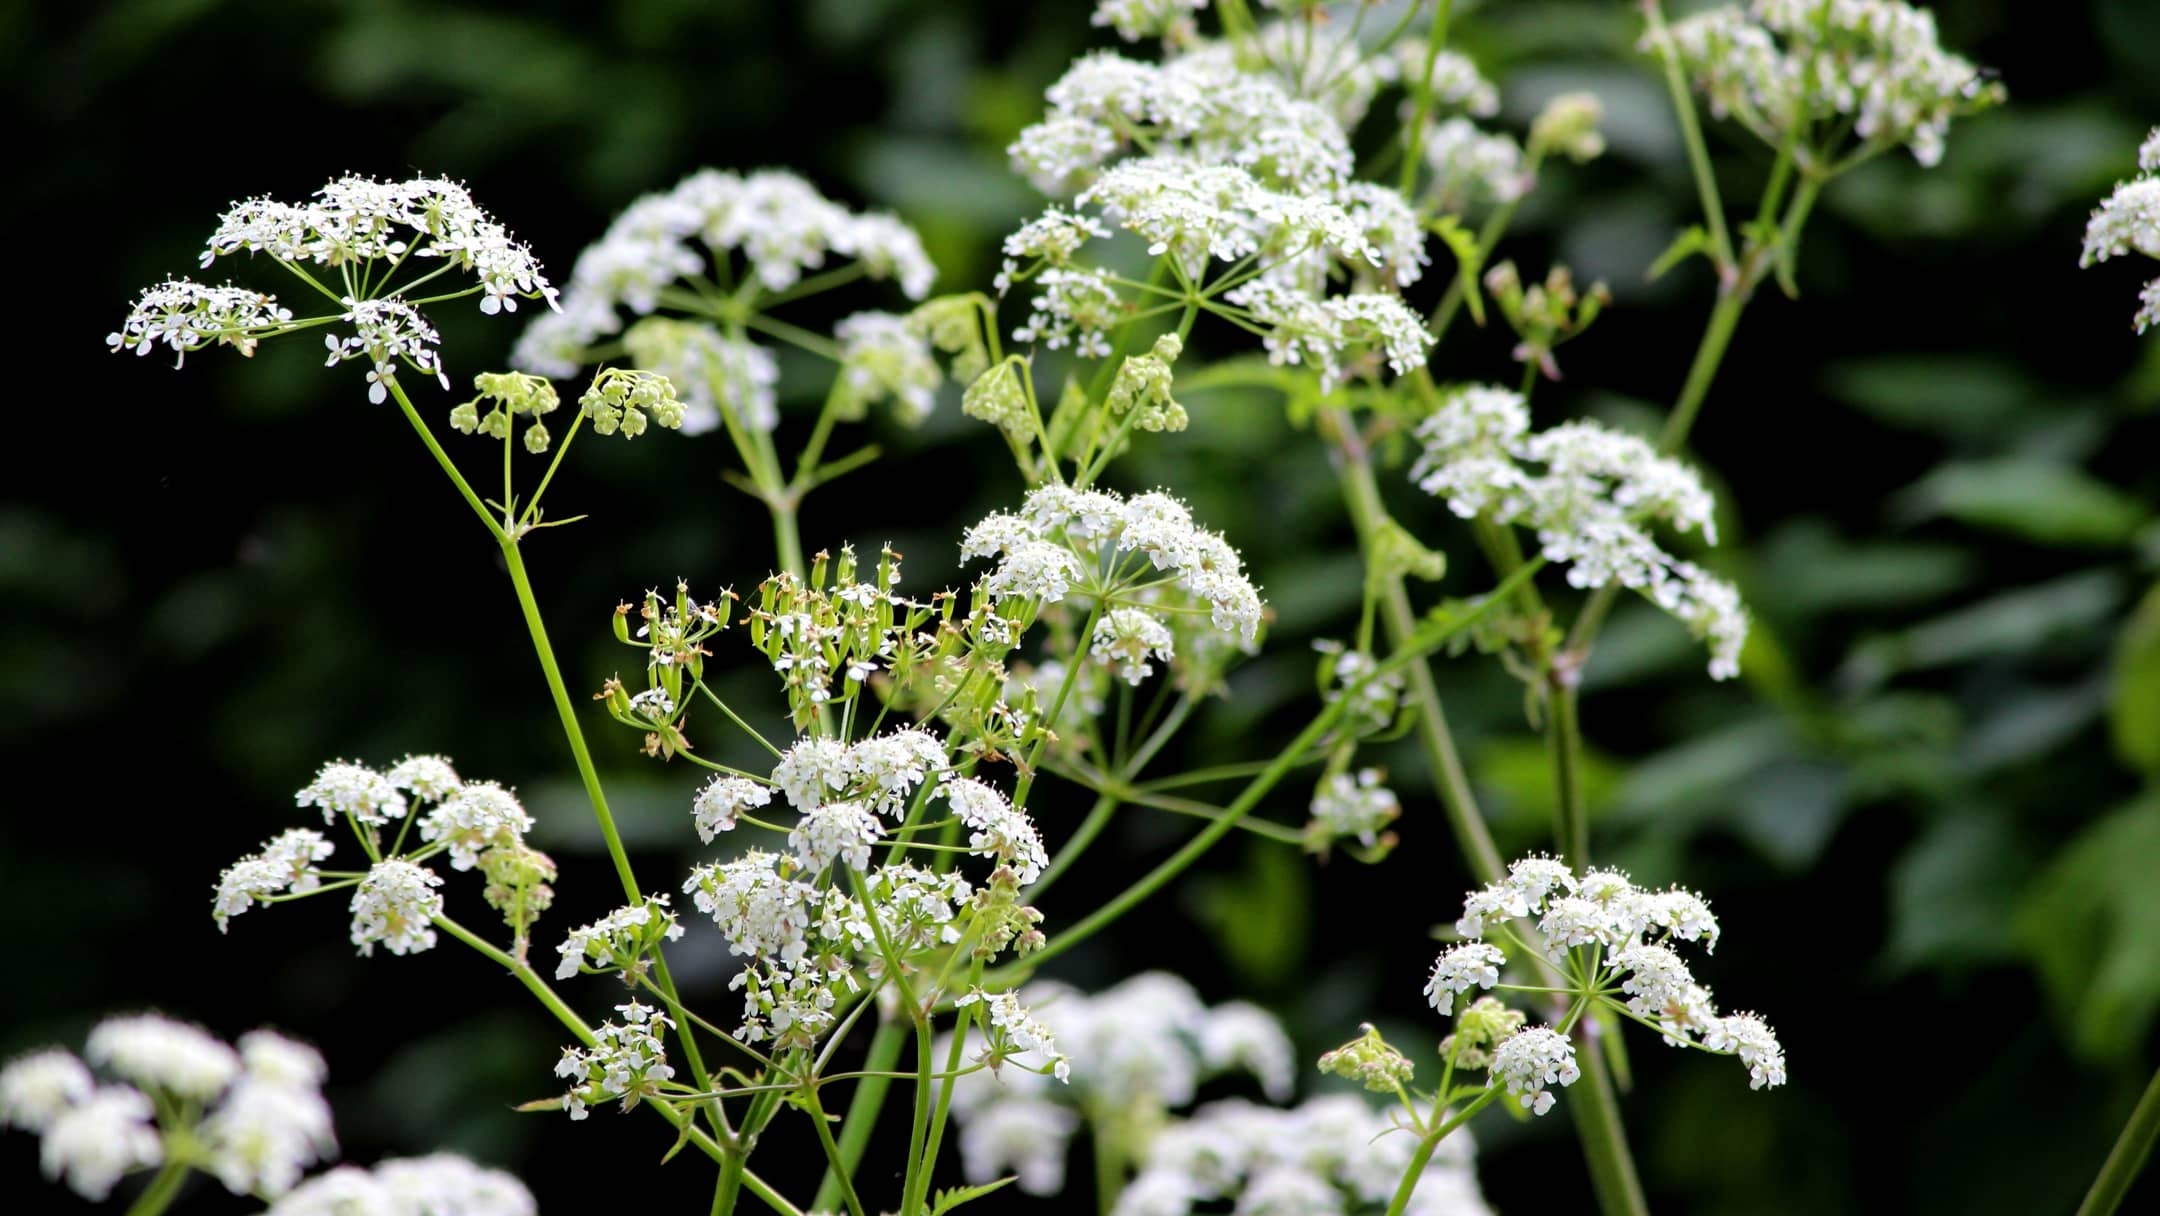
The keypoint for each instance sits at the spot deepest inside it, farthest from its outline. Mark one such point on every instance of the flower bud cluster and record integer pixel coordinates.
(620, 398)
(509, 394)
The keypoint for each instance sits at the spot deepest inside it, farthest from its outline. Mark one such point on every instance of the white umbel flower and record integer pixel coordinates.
(443, 1184)
(353, 789)
(2128, 221)
(1129, 637)
(286, 864)
(394, 906)
(100, 1138)
(1749, 1037)
(836, 832)
(723, 800)
(996, 828)
(426, 778)
(184, 316)
(616, 938)
(480, 816)
(1530, 1060)
(156, 1052)
(1459, 969)
(265, 1133)
(1346, 805)
(38, 1088)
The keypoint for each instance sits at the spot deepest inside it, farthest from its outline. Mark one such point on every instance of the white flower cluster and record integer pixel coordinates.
(1107, 546)
(626, 1061)
(285, 865)
(1137, 19)
(186, 316)
(359, 219)
(1319, 331)
(1474, 168)
(1347, 805)
(442, 1184)
(474, 818)
(1589, 507)
(266, 1119)
(2128, 221)
(395, 905)
(617, 941)
(716, 376)
(778, 222)
(802, 934)
(1632, 933)
(1809, 65)
(1142, 1049)
(884, 357)
(1329, 1154)
(1200, 104)
(366, 230)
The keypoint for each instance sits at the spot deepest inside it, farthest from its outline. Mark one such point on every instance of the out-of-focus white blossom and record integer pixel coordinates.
(1473, 168)
(778, 223)
(884, 357)
(156, 1052)
(443, 1184)
(98, 1139)
(1353, 805)
(39, 1087)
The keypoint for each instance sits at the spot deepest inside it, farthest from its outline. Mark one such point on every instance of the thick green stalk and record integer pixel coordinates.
(836, 1167)
(1604, 1138)
(1362, 492)
(2127, 1158)
(163, 1189)
(862, 1111)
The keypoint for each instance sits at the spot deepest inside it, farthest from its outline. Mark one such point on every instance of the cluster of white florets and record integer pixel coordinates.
(1632, 935)
(353, 226)
(1328, 1154)
(1139, 1050)
(1590, 507)
(437, 1185)
(266, 1120)
(2128, 221)
(620, 940)
(884, 357)
(1474, 168)
(626, 1061)
(779, 224)
(1105, 546)
(793, 916)
(1347, 805)
(286, 865)
(1801, 66)
(1321, 331)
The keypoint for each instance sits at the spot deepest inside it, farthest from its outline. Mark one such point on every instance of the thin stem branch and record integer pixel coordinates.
(2127, 1158)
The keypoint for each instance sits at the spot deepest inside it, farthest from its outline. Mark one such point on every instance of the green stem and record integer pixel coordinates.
(1604, 1139)
(1435, 39)
(427, 436)
(919, 1130)
(163, 1189)
(862, 1111)
(836, 1167)
(1708, 355)
(1691, 136)
(1427, 1144)
(1362, 492)
(729, 1184)
(2127, 1158)
(1563, 735)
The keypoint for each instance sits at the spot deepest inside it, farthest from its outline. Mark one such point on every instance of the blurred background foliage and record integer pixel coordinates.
(1929, 815)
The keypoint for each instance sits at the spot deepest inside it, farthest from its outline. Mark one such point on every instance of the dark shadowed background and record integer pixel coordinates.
(1920, 816)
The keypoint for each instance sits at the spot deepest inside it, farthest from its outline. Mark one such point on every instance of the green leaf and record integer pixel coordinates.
(2134, 706)
(2089, 923)
(1689, 243)
(1463, 243)
(1965, 397)
(946, 1200)
(1261, 916)
(2052, 504)
(1946, 904)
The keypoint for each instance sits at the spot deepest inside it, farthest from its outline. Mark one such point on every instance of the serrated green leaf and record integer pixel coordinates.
(946, 1200)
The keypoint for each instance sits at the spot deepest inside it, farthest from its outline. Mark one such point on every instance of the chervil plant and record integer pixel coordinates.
(1302, 199)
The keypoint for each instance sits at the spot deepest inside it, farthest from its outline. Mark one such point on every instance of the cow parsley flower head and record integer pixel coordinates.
(266, 1131)
(1137, 19)
(776, 222)
(480, 816)
(884, 357)
(1472, 168)
(185, 316)
(1459, 969)
(37, 1088)
(1353, 805)
(617, 941)
(1814, 69)
(286, 864)
(760, 910)
(442, 1184)
(1590, 506)
(1322, 333)
(1530, 1060)
(353, 789)
(156, 1052)
(1750, 1038)
(394, 905)
(100, 1138)
(1129, 637)
(1011, 1031)
(425, 778)
(996, 828)
(627, 1061)
(836, 832)
(2128, 221)
(723, 799)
